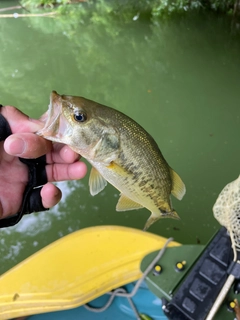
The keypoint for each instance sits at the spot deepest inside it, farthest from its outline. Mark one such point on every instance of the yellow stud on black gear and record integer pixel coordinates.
(231, 305)
(180, 266)
(157, 269)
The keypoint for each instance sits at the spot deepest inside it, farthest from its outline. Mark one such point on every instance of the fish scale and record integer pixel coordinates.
(144, 156)
(120, 152)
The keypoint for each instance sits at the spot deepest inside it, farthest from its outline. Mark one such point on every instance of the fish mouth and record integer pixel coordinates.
(51, 118)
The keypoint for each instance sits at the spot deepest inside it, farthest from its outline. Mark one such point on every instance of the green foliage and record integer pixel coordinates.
(222, 5)
(132, 9)
(166, 7)
(36, 3)
(44, 3)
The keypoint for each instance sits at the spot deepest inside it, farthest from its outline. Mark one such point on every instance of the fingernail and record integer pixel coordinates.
(17, 146)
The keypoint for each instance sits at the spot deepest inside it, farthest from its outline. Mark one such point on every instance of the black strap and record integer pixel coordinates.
(32, 201)
(5, 130)
(37, 176)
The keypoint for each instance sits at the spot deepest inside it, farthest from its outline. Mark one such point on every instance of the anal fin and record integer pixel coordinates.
(125, 204)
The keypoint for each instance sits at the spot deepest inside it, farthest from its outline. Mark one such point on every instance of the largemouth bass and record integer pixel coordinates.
(120, 152)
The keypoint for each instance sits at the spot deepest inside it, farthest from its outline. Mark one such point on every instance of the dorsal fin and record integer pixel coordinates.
(178, 187)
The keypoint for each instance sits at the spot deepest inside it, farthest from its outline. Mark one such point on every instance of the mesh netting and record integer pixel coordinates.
(227, 211)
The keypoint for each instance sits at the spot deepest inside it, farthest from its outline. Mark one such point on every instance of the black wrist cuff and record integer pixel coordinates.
(5, 130)
(32, 201)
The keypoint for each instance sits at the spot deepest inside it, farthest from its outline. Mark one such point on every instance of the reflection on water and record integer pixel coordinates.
(34, 226)
(38, 223)
(179, 79)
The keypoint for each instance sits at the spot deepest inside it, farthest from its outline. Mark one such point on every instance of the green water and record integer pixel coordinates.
(178, 78)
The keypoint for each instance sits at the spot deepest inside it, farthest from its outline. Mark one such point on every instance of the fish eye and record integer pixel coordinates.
(80, 116)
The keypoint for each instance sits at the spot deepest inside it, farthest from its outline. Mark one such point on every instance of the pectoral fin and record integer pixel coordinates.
(96, 182)
(106, 149)
(125, 204)
(118, 169)
(178, 187)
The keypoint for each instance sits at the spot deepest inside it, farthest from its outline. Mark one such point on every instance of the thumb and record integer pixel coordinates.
(27, 145)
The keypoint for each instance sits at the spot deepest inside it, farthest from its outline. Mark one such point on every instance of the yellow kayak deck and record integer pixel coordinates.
(75, 270)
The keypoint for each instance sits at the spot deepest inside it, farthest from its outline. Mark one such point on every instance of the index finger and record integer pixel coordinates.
(20, 122)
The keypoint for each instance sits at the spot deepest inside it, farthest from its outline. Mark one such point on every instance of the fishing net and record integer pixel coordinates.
(227, 211)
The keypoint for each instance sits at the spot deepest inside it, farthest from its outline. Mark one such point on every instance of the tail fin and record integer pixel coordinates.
(153, 218)
(173, 215)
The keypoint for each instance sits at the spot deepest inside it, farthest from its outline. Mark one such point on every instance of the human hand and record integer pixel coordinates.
(62, 162)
